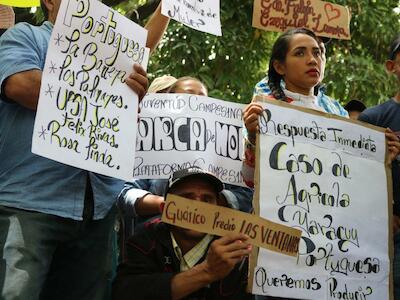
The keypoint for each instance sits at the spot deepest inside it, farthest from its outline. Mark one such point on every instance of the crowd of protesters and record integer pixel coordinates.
(57, 222)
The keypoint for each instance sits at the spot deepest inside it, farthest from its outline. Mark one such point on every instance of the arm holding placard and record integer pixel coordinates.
(393, 143)
(251, 114)
(24, 88)
(138, 81)
(142, 197)
(156, 27)
(222, 257)
(20, 66)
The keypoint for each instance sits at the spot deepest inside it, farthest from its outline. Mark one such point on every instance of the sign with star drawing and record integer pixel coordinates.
(323, 18)
(87, 114)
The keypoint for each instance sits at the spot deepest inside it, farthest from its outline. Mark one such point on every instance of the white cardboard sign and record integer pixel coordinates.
(327, 177)
(177, 131)
(87, 115)
(202, 15)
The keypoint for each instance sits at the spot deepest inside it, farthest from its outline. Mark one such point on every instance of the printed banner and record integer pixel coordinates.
(177, 131)
(202, 15)
(87, 115)
(219, 220)
(323, 18)
(326, 176)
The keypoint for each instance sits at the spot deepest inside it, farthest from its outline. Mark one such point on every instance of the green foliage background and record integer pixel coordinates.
(232, 64)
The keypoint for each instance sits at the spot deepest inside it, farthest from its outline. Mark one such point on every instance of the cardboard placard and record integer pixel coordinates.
(177, 131)
(218, 220)
(323, 18)
(329, 177)
(87, 114)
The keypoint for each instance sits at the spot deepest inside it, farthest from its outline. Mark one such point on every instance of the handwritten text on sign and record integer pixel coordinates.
(219, 220)
(87, 114)
(327, 177)
(324, 18)
(178, 131)
(202, 15)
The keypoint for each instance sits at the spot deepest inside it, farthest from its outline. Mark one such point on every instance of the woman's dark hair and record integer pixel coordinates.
(279, 52)
(44, 10)
(181, 79)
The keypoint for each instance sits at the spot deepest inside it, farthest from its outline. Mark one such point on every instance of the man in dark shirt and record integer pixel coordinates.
(387, 115)
(169, 262)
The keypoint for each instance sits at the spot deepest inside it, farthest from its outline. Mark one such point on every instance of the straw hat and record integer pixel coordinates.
(161, 83)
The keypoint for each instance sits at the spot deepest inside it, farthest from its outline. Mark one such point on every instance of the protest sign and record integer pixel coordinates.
(326, 176)
(177, 131)
(202, 15)
(323, 18)
(87, 115)
(219, 220)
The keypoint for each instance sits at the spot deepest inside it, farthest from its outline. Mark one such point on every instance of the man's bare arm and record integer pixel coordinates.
(222, 257)
(187, 282)
(156, 26)
(24, 88)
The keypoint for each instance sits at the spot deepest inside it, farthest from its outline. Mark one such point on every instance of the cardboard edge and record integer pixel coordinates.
(253, 259)
(253, 18)
(388, 171)
(260, 98)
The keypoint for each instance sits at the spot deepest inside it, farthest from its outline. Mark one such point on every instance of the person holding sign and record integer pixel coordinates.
(56, 221)
(296, 59)
(387, 115)
(143, 197)
(329, 105)
(168, 262)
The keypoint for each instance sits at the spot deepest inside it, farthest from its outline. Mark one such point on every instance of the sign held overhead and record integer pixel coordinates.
(323, 18)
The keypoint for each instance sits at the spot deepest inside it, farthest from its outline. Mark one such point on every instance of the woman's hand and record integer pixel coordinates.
(250, 118)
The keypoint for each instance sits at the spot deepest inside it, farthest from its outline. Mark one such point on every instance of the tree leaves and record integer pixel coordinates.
(231, 65)
(239, 59)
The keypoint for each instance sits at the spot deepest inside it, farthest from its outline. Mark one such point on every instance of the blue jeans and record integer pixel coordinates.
(49, 257)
